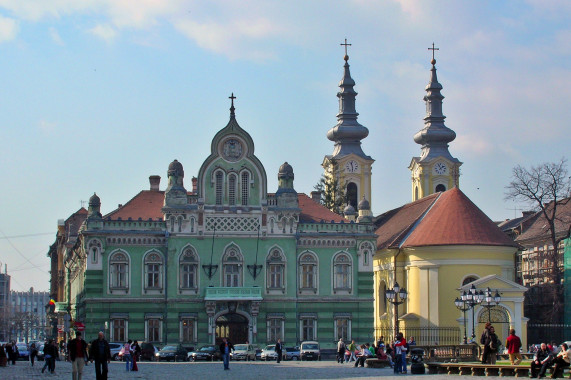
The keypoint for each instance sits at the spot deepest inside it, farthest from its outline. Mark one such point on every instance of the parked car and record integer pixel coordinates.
(115, 348)
(148, 351)
(172, 353)
(243, 352)
(23, 351)
(292, 353)
(258, 354)
(41, 354)
(309, 350)
(269, 353)
(209, 352)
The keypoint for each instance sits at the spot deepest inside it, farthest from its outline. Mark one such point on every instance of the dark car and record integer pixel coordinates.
(172, 353)
(23, 351)
(209, 352)
(148, 352)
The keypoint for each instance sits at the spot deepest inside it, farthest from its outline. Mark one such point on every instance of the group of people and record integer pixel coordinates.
(545, 358)
(395, 352)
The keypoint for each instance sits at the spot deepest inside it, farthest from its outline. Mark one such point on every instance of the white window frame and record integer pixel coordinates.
(337, 263)
(192, 320)
(113, 337)
(304, 260)
(188, 257)
(232, 259)
(275, 258)
(310, 321)
(280, 322)
(336, 320)
(115, 262)
(153, 258)
(147, 331)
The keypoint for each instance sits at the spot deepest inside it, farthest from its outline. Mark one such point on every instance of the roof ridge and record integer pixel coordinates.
(418, 220)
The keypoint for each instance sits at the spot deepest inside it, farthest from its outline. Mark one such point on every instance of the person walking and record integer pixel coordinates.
(136, 354)
(483, 339)
(13, 352)
(33, 353)
(492, 344)
(101, 354)
(128, 355)
(50, 355)
(77, 348)
(351, 348)
(400, 348)
(513, 344)
(340, 351)
(279, 350)
(225, 348)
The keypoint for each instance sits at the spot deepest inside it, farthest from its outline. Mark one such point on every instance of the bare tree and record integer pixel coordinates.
(546, 188)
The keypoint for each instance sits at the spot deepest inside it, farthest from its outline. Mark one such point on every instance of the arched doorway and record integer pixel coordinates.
(499, 318)
(232, 326)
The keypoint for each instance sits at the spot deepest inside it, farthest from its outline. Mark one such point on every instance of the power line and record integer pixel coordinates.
(20, 253)
(27, 235)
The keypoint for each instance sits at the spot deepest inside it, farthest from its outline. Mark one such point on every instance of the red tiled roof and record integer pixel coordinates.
(312, 211)
(74, 222)
(448, 218)
(393, 225)
(539, 229)
(147, 204)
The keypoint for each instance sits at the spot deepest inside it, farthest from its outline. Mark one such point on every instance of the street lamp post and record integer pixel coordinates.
(463, 307)
(472, 298)
(491, 301)
(396, 296)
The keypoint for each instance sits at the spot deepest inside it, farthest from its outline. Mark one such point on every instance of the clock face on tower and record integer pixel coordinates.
(351, 166)
(440, 168)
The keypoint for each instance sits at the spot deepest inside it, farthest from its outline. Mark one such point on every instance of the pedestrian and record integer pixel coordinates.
(136, 354)
(101, 354)
(411, 341)
(13, 352)
(278, 349)
(225, 348)
(491, 344)
(50, 355)
(513, 344)
(541, 360)
(77, 348)
(352, 347)
(561, 361)
(33, 352)
(127, 355)
(340, 351)
(483, 339)
(401, 349)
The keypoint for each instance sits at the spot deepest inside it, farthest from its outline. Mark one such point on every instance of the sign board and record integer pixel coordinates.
(60, 307)
(79, 326)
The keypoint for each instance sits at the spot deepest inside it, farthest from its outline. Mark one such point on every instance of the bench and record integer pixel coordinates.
(523, 355)
(377, 363)
(476, 369)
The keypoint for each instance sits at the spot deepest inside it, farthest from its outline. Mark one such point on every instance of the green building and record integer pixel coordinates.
(228, 258)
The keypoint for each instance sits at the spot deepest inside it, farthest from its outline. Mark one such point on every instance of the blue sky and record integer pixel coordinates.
(96, 95)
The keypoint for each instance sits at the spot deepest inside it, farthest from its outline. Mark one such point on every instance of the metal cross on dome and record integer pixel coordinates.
(345, 44)
(433, 49)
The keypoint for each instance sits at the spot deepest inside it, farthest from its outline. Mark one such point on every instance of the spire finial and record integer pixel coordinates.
(232, 97)
(433, 49)
(346, 58)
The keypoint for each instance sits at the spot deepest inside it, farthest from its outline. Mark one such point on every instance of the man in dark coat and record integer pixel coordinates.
(541, 360)
(101, 354)
(279, 349)
(77, 348)
(225, 348)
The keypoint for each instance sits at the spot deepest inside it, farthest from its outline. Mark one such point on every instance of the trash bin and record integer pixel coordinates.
(417, 365)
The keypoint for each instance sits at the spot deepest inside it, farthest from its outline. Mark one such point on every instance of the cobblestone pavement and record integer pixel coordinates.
(200, 370)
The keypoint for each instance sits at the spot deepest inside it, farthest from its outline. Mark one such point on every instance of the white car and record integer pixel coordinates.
(243, 352)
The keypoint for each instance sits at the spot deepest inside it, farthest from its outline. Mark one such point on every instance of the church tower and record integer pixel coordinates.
(349, 165)
(435, 170)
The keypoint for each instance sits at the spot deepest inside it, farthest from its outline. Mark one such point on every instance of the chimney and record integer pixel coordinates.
(316, 196)
(155, 181)
(194, 184)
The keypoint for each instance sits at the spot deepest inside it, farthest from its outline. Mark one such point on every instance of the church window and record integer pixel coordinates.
(153, 271)
(440, 187)
(308, 329)
(245, 188)
(308, 272)
(188, 269)
(94, 250)
(342, 272)
(352, 194)
(232, 268)
(154, 326)
(275, 267)
(275, 329)
(118, 330)
(342, 328)
(119, 271)
(232, 190)
(219, 192)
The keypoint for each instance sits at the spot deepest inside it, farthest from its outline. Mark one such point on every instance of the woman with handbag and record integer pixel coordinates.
(492, 344)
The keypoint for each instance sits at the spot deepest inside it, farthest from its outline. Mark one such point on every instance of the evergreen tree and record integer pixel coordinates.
(332, 195)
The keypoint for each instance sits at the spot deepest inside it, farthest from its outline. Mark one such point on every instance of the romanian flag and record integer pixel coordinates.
(52, 302)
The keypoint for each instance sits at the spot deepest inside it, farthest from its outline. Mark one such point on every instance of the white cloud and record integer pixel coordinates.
(105, 32)
(8, 29)
(55, 36)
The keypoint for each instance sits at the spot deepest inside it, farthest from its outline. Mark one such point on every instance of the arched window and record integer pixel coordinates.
(180, 224)
(275, 269)
(352, 194)
(232, 190)
(232, 268)
(342, 272)
(469, 279)
(172, 223)
(440, 187)
(94, 250)
(153, 271)
(308, 272)
(188, 264)
(219, 190)
(382, 299)
(119, 271)
(245, 188)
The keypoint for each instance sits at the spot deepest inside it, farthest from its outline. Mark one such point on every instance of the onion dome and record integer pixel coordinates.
(364, 204)
(286, 171)
(175, 169)
(94, 200)
(349, 210)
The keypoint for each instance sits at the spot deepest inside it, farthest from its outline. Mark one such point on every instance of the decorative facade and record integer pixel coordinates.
(435, 170)
(227, 259)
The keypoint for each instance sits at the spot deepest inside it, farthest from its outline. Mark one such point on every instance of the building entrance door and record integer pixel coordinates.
(234, 327)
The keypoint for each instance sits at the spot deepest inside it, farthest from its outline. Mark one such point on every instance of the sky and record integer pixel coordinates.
(97, 95)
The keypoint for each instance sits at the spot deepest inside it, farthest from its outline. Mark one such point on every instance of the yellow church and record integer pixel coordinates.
(442, 248)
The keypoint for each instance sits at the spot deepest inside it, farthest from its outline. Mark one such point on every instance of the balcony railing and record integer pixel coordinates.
(238, 294)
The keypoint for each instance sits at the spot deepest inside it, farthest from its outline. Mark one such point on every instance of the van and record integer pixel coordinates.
(309, 350)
